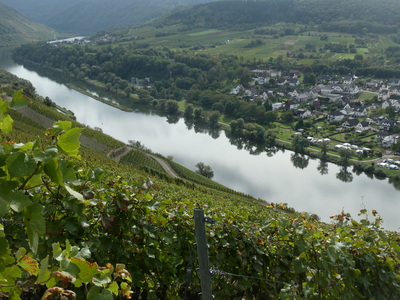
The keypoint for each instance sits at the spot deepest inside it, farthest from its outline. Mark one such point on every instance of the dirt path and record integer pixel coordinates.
(164, 165)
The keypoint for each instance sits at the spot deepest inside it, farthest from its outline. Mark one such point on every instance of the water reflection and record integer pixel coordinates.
(299, 161)
(323, 167)
(344, 175)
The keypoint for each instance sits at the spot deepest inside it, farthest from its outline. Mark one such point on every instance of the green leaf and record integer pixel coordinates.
(44, 272)
(68, 173)
(35, 224)
(114, 288)
(3, 107)
(34, 181)
(6, 123)
(97, 293)
(63, 125)
(52, 169)
(46, 155)
(74, 193)
(6, 192)
(69, 142)
(332, 253)
(19, 100)
(19, 201)
(20, 164)
(96, 175)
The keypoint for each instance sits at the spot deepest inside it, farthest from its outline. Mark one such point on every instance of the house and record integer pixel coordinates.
(388, 141)
(316, 115)
(294, 82)
(374, 84)
(348, 79)
(237, 90)
(291, 104)
(335, 116)
(394, 82)
(360, 112)
(381, 135)
(316, 103)
(304, 113)
(325, 78)
(281, 81)
(277, 105)
(362, 126)
(386, 124)
(336, 89)
(334, 80)
(350, 123)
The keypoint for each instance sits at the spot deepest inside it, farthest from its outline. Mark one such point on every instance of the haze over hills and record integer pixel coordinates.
(16, 29)
(89, 16)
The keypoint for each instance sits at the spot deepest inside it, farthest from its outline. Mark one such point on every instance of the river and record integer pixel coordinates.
(274, 179)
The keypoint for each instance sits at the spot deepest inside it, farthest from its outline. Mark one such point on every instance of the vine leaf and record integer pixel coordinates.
(87, 270)
(73, 193)
(6, 123)
(35, 224)
(30, 265)
(20, 164)
(19, 100)
(69, 141)
(97, 293)
(43, 273)
(19, 201)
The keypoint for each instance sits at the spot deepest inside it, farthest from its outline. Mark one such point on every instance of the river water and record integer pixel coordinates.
(274, 179)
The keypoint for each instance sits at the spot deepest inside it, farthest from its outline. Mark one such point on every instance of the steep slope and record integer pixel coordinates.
(16, 29)
(90, 16)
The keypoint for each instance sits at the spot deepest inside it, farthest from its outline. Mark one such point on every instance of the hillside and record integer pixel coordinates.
(16, 29)
(89, 16)
(354, 16)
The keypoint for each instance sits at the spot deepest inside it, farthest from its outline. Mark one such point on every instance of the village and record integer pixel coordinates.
(336, 101)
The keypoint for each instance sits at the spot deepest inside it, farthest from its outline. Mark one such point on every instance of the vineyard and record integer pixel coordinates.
(76, 225)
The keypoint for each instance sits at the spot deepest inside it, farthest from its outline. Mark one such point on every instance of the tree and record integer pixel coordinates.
(213, 119)
(345, 155)
(324, 147)
(172, 107)
(300, 143)
(188, 114)
(396, 147)
(204, 170)
(390, 111)
(287, 117)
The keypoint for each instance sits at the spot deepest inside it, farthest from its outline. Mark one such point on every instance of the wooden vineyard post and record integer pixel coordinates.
(202, 253)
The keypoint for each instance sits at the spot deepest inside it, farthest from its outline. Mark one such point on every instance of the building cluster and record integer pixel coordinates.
(333, 100)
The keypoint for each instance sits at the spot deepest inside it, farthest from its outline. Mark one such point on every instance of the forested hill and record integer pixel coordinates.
(90, 16)
(16, 29)
(342, 15)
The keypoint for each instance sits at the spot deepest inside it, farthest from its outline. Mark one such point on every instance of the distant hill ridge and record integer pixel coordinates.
(16, 29)
(90, 16)
(367, 16)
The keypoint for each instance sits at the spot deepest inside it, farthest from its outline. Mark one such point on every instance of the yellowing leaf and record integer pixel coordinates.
(30, 265)
(87, 270)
